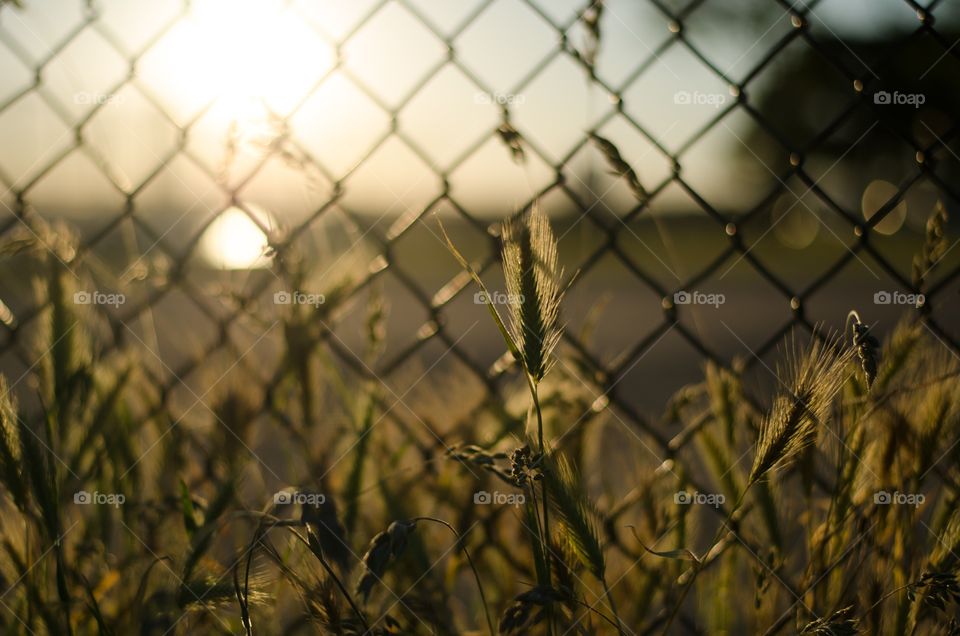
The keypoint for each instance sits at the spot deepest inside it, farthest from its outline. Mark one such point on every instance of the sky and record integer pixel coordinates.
(250, 77)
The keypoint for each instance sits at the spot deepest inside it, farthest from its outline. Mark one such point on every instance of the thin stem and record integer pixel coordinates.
(545, 539)
(612, 604)
(476, 575)
(534, 392)
(336, 579)
(593, 609)
(538, 537)
(699, 565)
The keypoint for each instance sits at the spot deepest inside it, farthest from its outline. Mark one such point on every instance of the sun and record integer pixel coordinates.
(234, 241)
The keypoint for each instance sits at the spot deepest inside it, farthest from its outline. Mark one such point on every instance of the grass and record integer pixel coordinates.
(829, 507)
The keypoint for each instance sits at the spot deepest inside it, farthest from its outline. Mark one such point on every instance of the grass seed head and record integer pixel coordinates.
(532, 272)
(867, 348)
(385, 547)
(812, 379)
(579, 524)
(934, 248)
(840, 623)
(528, 610)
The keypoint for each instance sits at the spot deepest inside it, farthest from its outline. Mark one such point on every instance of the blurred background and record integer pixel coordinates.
(774, 163)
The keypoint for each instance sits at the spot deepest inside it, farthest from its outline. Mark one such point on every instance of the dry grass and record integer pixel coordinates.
(802, 540)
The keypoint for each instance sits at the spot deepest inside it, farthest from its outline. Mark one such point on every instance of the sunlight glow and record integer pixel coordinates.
(234, 241)
(255, 50)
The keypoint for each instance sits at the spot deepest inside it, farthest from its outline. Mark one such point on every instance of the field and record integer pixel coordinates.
(827, 506)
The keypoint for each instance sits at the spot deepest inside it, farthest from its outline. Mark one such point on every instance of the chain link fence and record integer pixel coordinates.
(187, 316)
(219, 236)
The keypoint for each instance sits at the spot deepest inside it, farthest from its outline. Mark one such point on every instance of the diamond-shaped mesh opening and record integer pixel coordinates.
(535, 110)
(800, 92)
(132, 136)
(77, 84)
(182, 84)
(124, 264)
(640, 381)
(423, 253)
(717, 309)
(747, 40)
(292, 189)
(167, 345)
(522, 38)
(627, 304)
(490, 181)
(632, 26)
(756, 163)
(40, 136)
(844, 179)
(796, 236)
(179, 202)
(848, 284)
(339, 124)
(403, 324)
(668, 257)
(92, 193)
(392, 52)
(418, 396)
(336, 250)
(16, 76)
(391, 181)
(448, 116)
(132, 26)
(37, 30)
(687, 96)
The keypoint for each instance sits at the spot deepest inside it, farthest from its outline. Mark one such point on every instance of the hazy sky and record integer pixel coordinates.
(226, 66)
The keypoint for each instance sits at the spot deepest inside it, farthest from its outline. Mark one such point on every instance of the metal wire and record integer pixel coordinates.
(183, 279)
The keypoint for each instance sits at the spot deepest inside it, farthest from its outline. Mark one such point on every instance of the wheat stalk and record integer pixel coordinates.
(532, 273)
(813, 379)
